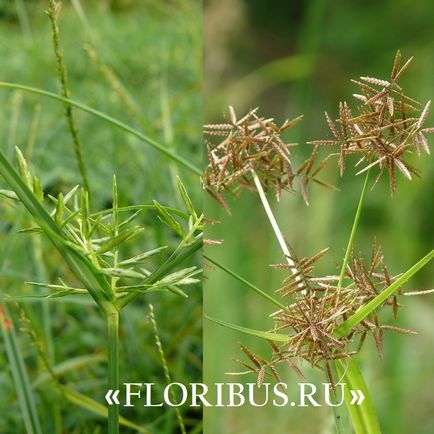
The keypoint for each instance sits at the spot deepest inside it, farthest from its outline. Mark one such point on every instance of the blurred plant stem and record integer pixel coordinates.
(113, 368)
(53, 13)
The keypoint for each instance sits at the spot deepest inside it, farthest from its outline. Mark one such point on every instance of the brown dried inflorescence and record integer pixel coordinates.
(243, 145)
(384, 130)
(253, 143)
(318, 306)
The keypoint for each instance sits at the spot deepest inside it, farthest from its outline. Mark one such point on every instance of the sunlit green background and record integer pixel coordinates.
(292, 58)
(154, 48)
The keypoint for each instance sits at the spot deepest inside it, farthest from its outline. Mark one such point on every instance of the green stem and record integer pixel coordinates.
(158, 146)
(352, 234)
(367, 423)
(113, 368)
(363, 416)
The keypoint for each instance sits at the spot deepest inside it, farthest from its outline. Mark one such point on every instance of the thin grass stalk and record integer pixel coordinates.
(53, 13)
(368, 423)
(115, 122)
(113, 368)
(164, 364)
(352, 235)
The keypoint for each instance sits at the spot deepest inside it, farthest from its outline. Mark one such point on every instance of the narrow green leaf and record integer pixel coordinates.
(129, 219)
(143, 256)
(8, 194)
(122, 272)
(186, 198)
(364, 311)
(97, 408)
(19, 374)
(33, 230)
(178, 277)
(24, 168)
(60, 209)
(258, 333)
(168, 219)
(70, 194)
(247, 283)
(363, 416)
(115, 241)
(37, 189)
(57, 287)
(159, 147)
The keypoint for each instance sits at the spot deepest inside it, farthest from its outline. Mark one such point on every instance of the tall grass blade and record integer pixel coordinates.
(19, 373)
(159, 147)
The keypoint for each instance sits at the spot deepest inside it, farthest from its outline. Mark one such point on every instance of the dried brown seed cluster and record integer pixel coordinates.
(253, 143)
(384, 130)
(319, 306)
(243, 145)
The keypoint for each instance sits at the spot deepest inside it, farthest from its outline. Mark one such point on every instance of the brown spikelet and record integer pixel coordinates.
(382, 133)
(261, 376)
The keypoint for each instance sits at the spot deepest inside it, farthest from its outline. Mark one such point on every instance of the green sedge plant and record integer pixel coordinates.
(95, 247)
(324, 319)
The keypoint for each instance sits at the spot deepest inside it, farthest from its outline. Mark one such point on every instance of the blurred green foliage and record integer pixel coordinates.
(154, 49)
(292, 58)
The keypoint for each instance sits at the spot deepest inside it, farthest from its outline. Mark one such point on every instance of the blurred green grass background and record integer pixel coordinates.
(154, 48)
(292, 58)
